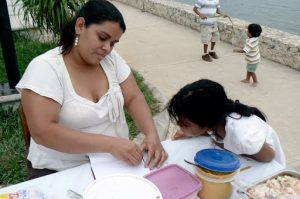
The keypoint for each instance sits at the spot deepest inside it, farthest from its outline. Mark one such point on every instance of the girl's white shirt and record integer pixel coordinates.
(48, 76)
(246, 135)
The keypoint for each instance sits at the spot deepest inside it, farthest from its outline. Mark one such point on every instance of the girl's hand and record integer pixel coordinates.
(156, 154)
(224, 15)
(127, 150)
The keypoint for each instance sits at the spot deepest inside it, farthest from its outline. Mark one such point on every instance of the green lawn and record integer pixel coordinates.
(26, 49)
(12, 147)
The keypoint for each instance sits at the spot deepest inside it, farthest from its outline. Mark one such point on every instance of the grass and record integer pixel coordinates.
(151, 101)
(26, 49)
(12, 147)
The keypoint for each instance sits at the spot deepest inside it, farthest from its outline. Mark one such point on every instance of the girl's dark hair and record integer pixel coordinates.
(254, 29)
(205, 103)
(93, 12)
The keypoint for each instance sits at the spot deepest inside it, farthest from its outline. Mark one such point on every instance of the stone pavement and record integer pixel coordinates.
(169, 56)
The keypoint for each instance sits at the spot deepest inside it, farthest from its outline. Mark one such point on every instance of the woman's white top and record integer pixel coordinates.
(48, 76)
(246, 135)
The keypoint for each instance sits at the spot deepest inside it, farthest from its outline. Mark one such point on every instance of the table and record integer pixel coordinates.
(55, 186)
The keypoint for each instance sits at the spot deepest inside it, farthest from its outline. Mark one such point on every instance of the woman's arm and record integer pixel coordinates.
(137, 107)
(42, 115)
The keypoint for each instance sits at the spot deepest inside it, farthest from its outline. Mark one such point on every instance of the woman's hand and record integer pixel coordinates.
(127, 150)
(156, 154)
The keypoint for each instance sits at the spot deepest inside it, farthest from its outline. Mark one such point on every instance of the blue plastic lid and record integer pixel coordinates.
(217, 160)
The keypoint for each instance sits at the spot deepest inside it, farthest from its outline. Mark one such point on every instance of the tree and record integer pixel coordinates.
(48, 15)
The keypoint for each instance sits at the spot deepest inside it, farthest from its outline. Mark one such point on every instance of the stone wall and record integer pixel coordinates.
(275, 45)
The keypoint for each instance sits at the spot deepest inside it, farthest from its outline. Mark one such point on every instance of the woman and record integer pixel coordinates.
(73, 97)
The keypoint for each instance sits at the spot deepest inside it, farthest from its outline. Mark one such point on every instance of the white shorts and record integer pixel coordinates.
(209, 33)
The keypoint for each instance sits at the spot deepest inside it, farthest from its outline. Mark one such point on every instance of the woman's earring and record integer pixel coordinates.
(76, 40)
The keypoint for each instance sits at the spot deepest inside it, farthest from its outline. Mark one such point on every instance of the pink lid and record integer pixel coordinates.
(174, 182)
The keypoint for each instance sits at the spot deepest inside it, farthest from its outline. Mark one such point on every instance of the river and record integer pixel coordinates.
(278, 14)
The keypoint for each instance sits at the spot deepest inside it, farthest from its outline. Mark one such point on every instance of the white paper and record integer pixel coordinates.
(106, 164)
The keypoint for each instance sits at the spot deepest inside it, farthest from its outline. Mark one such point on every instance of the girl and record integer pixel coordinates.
(202, 108)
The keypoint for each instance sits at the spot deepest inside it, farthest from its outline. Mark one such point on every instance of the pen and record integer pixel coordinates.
(93, 173)
(92, 170)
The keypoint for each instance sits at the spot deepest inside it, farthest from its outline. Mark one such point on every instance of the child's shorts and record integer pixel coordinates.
(209, 33)
(251, 67)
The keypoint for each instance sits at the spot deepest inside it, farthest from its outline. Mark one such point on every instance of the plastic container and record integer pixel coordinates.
(119, 186)
(272, 191)
(217, 168)
(174, 182)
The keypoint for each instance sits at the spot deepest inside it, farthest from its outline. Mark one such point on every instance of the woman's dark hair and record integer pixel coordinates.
(205, 103)
(254, 29)
(93, 12)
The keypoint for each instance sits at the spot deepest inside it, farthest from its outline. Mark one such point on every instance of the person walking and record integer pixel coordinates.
(251, 50)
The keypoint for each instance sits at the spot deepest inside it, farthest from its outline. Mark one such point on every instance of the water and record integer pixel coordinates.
(280, 14)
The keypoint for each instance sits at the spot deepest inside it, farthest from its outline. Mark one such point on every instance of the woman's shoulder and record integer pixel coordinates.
(49, 59)
(50, 54)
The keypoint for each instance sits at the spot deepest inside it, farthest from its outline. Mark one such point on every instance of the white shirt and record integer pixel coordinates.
(246, 135)
(209, 9)
(47, 75)
(251, 49)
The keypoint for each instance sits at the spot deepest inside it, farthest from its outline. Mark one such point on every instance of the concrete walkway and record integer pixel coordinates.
(169, 56)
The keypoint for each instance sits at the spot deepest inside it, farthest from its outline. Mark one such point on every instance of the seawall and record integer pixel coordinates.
(275, 45)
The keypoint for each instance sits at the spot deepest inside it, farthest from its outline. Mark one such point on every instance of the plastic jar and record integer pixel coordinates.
(217, 168)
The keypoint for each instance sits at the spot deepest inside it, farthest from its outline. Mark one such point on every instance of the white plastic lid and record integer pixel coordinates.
(120, 186)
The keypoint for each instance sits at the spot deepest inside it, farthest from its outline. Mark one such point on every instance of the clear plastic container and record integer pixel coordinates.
(216, 169)
(246, 192)
(215, 185)
(174, 182)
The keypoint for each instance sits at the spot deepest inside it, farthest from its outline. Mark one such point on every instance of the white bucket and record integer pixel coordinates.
(120, 186)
